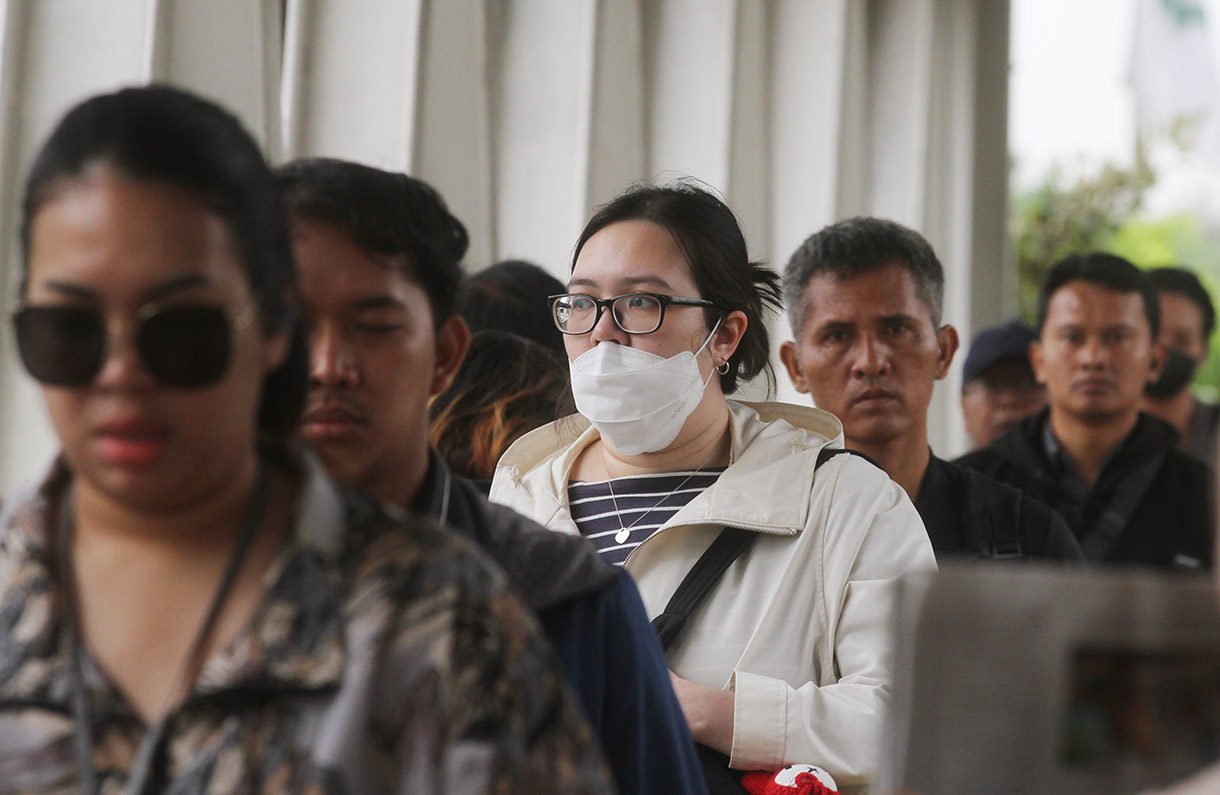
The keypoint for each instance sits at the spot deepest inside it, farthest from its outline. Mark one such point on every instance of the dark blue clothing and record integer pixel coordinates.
(596, 622)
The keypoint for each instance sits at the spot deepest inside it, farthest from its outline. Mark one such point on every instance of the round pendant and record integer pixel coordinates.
(622, 535)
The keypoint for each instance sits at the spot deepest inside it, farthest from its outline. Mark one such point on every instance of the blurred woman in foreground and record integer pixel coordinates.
(186, 603)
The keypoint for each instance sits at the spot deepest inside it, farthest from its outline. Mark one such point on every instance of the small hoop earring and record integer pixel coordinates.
(723, 367)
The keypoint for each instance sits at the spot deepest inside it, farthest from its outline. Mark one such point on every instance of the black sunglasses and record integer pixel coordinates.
(181, 346)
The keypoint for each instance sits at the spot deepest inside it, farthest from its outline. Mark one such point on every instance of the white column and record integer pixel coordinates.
(351, 76)
(227, 50)
(542, 89)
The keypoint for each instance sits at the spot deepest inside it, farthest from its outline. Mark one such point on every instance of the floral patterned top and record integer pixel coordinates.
(382, 658)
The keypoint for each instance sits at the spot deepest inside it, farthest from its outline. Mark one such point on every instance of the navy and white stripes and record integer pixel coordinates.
(645, 503)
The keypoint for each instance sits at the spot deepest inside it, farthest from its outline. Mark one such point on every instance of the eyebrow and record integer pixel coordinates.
(377, 302)
(628, 283)
(187, 282)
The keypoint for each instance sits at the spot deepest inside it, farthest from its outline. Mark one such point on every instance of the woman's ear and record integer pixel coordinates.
(728, 336)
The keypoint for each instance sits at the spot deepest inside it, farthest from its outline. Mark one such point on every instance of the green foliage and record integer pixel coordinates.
(1103, 211)
(1063, 217)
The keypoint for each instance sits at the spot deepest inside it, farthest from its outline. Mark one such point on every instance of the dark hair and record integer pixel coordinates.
(1186, 284)
(709, 236)
(859, 245)
(507, 385)
(1105, 270)
(385, 213)
(511, 296)
(166, 135)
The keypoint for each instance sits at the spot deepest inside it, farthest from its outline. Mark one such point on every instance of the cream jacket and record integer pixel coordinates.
(799, 628)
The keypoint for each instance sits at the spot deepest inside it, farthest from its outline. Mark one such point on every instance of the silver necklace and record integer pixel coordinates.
(624, 531)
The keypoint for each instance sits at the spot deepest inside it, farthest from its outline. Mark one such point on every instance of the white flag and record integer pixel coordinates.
(1173, 74)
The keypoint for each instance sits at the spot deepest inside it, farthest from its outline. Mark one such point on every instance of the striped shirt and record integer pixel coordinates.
(616, 522)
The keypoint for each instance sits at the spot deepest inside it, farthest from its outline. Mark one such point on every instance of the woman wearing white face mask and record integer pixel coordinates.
(786, 659)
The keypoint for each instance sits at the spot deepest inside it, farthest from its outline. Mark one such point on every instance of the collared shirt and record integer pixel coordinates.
(1074, 490)
(377, 661)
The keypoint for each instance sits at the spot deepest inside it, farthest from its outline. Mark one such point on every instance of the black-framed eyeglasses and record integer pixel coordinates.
(634, 313)
(186, 347)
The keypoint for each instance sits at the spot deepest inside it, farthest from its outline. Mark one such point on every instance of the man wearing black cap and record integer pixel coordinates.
(864, 297)
(998, 385)
(1111, 471)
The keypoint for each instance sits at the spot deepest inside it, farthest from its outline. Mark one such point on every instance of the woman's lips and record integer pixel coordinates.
(132, 443)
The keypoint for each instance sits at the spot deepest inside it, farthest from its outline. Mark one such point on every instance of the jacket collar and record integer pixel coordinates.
(764, 488)
(1026, 445)
(293, 641)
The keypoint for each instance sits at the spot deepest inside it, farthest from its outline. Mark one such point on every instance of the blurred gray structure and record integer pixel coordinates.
(528, 113)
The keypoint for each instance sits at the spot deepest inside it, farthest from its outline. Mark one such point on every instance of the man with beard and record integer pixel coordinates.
(379, 260)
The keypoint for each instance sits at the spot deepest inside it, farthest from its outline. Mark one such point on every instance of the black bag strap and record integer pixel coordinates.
(1114, 518)
(729, 545)
(698, 582)
(997, 536)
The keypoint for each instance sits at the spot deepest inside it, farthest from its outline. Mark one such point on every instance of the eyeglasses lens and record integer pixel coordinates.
(575, 314)
(185, 347)
(637, 314)
(60, 345)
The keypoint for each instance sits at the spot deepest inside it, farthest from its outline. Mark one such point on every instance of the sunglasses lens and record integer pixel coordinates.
(186, 346)
(63, 346)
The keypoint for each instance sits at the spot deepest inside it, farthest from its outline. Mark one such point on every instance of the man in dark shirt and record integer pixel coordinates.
(379, 259)
(864, 297)
(1112, 472)
(1187, 322)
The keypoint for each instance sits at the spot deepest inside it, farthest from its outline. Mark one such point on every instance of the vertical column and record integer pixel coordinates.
(900, 53)
(689, 58)
(748, 186)
(809, 51)
(452, 127)
(541, 90)
(227, 50)
(616, 153)
(351, 77)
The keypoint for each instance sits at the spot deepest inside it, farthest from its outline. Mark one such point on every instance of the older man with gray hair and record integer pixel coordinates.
(864, 297)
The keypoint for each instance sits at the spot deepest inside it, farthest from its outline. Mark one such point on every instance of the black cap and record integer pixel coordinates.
(1007, 341)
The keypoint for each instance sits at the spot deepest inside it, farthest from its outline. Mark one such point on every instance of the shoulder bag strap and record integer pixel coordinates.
(729, 545)
(1117, 513)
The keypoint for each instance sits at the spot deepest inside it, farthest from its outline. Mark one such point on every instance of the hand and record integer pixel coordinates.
(709, 713)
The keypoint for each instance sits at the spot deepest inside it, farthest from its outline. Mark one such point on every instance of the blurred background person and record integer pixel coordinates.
(998, 385)
(512, 296)
(1111, 471)
(506, 386)
(188, 602)
(1187, 321)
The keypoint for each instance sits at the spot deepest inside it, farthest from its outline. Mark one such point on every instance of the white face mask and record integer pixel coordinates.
(637, 400)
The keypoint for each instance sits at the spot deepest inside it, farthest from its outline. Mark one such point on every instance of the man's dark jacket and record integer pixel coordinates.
(1168, 523)
(597, 624)
(969, 515)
